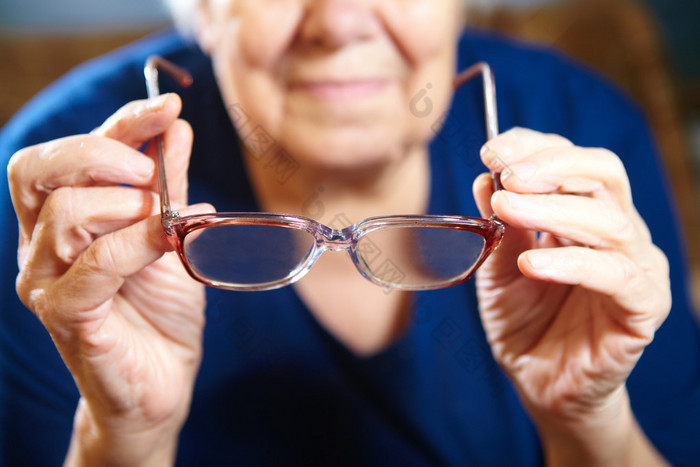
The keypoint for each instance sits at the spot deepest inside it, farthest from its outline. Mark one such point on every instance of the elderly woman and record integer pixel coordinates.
(331, 112)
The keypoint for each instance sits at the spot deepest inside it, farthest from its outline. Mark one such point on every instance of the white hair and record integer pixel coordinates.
(184, 11)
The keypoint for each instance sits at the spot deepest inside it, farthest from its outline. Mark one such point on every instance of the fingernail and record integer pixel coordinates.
(142, 166)
(484, 150)
(539, 259)
(523, 171)
(499, 147)
(493, 159)
(157, 103)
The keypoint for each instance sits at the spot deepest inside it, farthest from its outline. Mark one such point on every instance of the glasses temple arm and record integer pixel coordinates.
(150, 70)
(490, 110)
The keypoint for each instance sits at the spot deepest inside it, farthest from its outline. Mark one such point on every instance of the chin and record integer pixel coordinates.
(349, 150)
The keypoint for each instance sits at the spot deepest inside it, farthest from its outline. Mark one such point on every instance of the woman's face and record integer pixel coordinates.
(335, 83)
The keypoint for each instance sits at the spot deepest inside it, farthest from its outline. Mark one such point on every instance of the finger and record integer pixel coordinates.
(501, 266)
(84, 160)
(100, 271)
(580, 219)
(499, 153)
(177, 143)
(482, 188)
(595, 172)
(547, 240)
(644, 296)
(139, 121)
(72, 217)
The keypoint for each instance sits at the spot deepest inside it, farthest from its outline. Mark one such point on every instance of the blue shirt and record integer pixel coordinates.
(274, 386)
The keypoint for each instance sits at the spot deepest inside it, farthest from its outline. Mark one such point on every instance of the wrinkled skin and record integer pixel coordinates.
(95, 268)
(567, 312)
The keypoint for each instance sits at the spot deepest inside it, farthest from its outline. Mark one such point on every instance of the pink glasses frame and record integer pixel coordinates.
(178, 227)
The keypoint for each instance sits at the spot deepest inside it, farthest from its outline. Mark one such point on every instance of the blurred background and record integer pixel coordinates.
(651, 48)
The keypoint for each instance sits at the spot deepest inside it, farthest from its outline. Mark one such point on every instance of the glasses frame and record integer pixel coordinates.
(177, 227)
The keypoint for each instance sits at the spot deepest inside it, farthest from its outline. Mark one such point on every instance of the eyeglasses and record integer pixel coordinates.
(253, 252)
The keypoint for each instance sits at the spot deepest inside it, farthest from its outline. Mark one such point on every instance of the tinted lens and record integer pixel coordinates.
(247, 254)
(419, 257)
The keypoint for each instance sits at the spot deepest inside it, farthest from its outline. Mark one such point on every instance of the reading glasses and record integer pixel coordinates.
(264, 251)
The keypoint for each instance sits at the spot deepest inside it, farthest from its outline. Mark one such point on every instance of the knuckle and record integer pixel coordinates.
(99, 259)
(610, 158)
(631, 278)
(15, 167)
(624, 230)
(615, 166)
(642, 227)
(630, 270)
(660, 262)
(666, 302)
(58, 207)
(518, 132)
(557, 140)
(657, 291)
(58, 230)
(30, 169)
(18, 174)
(24, 287)
(34, 297)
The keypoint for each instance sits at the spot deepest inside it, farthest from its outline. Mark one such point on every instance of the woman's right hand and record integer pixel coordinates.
(98, 271)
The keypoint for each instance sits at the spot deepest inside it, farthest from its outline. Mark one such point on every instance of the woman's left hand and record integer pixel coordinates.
(576, 290)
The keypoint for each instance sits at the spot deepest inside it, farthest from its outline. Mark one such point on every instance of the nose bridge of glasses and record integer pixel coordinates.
(337, 239)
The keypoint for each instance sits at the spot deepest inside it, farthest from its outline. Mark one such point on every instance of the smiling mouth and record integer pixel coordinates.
(343, 90)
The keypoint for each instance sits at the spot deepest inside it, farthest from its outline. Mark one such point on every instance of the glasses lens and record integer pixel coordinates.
(247, 255)
(419, 257)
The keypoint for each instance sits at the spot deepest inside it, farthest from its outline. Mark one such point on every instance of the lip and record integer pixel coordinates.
(343, 90)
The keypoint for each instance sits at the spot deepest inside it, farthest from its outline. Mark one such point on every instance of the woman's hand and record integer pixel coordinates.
(123, 313)
(575, 292)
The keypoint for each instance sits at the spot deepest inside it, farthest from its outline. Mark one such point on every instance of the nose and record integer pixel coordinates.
(334, 23)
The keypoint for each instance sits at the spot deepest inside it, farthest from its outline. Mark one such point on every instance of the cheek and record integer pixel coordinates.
(267, 30)
(420, 29)
(250, 50)
(427, 37)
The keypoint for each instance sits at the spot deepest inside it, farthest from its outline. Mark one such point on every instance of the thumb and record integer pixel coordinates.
(177, 147)
(483, 190)
(139, 121)
(502, 266)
